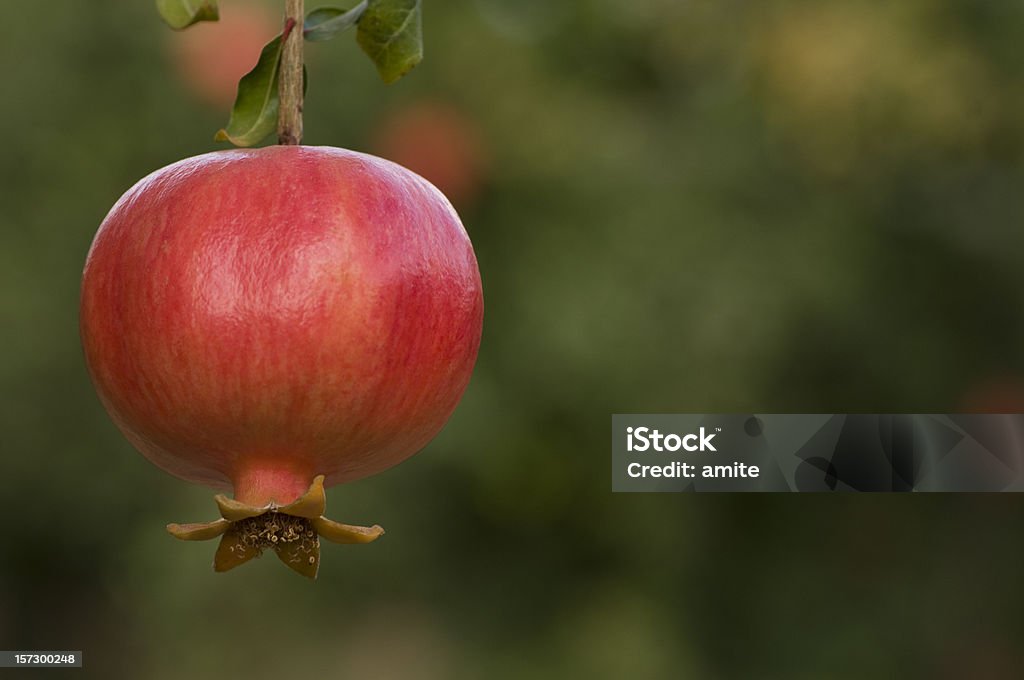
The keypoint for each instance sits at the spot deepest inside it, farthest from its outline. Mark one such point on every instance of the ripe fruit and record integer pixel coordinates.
(212, 57)
(436, 141)
(257, 319)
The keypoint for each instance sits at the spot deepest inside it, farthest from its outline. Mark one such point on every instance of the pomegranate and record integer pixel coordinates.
(438, 141)
(278, 320)
(995, 394)
(211, 57)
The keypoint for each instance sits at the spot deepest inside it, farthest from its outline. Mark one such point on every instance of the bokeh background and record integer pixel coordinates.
(678, 205)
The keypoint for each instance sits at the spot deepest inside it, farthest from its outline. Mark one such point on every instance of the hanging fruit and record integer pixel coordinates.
(275, 321)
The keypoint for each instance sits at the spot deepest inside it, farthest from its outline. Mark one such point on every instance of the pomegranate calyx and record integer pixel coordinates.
(311, 504)
(293, 531)
(236, 511)
(346, 534)
(292, 538)
(200, 531)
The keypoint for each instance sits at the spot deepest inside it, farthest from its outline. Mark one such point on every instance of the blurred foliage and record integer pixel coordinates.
(685, 206)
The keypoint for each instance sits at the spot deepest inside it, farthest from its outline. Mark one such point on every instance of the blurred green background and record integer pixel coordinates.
(687, 206)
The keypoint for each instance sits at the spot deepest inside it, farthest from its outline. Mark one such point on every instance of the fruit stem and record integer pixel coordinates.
(289, 118)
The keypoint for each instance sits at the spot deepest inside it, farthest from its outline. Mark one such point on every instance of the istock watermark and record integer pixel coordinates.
(817, 452)
(645, 438)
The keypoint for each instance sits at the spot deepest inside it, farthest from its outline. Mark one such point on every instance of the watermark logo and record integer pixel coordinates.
(648, 439)
(817, 452)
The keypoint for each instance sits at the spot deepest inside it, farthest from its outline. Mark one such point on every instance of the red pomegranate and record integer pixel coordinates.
(274, 320)
(438, 141)
(211, 57)
(994, 394)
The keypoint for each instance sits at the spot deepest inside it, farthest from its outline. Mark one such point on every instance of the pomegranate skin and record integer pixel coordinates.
(253, 318)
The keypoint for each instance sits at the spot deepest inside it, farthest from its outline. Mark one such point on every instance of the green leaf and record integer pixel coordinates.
(180, 14)
(254, 115)
(391, 34)
(327, 23)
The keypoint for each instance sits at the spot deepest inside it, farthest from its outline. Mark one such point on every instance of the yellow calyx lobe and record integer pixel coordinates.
(292, 531)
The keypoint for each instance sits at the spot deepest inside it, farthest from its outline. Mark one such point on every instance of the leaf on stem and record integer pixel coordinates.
(327, 23)
(391, 34)
(254, 115)
(180, 14)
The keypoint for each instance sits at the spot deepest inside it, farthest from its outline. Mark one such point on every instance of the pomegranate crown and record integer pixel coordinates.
(292, 531)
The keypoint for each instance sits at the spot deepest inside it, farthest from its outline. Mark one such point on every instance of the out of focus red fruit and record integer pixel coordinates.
(211, 57)
(1001, 394)
(438, 142)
